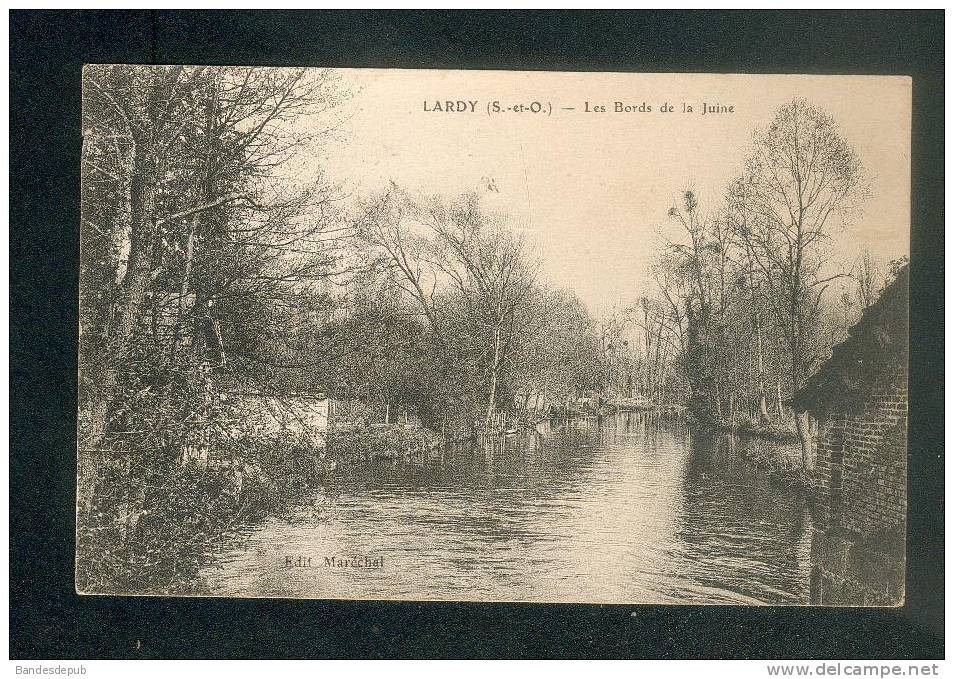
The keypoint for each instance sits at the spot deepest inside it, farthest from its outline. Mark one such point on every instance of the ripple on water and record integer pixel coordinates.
(630, 509)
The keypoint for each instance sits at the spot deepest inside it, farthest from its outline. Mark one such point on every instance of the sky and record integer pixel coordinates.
(592, 189)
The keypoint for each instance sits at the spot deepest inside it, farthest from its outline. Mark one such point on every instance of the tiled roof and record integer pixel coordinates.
(879, 340)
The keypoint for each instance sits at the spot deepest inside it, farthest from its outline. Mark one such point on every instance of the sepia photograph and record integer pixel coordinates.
(495, 336)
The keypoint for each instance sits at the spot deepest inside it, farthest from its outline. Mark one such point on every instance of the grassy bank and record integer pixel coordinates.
(385, 441)
(744, 425)
(772, 431)
(775, 451)
(772, 447)
(782, 464)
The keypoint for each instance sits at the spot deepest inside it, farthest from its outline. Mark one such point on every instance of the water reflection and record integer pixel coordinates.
(629, 508)
(742, 538)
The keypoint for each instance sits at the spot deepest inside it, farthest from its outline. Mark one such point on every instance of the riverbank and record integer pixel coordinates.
(746, 426)
(152, 520)
(382, 441)
(771, 447)
(607, 409)
(779, 433)
(782, 464)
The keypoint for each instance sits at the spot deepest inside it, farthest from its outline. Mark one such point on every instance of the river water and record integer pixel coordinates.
(632, 508)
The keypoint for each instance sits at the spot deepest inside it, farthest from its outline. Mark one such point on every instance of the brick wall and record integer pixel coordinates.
(849, 569)
(858, 553)
(862, 458)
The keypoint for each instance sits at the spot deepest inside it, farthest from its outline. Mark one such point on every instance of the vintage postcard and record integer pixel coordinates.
(493, 335)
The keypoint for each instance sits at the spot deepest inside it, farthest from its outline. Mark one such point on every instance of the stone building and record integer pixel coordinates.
(860, 399)
(301, 414)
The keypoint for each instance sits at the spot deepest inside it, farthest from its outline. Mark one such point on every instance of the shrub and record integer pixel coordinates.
(151, 523)
(390, 441)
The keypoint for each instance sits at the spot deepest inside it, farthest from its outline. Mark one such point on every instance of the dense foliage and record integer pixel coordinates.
(211, 267)
(749, 299)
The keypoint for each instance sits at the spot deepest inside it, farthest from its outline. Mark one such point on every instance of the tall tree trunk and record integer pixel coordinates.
(763, 408)
(763, 401)
(657, 366)
(492, 397)
(760, 357)
(206, 190)
(184, 288)
(130, 302)
(803, 426)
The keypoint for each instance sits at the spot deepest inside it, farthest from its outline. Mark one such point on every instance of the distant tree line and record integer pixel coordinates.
(749, 297)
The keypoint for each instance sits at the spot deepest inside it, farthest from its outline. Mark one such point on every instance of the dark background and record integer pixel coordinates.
(47, 50)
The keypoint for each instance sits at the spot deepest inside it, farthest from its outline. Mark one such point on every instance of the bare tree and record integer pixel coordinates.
(490, 274)
(799, 174)
(180, 219)
(869, 277)
(701, 255)
(467, 272)
(737, 217)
